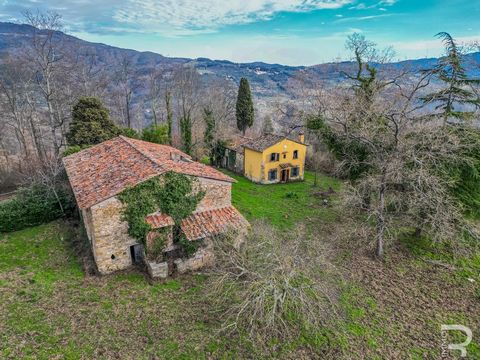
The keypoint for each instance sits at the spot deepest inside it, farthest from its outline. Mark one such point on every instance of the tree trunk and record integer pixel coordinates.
(381, 219)
(51, 116)
(169, 116)
(127, 109)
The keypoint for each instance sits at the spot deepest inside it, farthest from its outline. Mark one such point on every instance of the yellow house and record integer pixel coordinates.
(269, 159)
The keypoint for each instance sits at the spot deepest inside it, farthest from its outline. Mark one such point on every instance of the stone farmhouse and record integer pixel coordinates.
(267, 159)
(98, 174)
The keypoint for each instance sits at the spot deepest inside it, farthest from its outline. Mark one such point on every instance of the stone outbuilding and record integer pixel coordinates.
(98, 174)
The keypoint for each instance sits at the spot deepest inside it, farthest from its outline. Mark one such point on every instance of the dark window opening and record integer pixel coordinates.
(272, 175)
(284, 155)
(295, 171)
(274, 156)
(295, 154)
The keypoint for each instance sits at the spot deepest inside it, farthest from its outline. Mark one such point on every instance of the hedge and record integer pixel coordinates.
(34, 205)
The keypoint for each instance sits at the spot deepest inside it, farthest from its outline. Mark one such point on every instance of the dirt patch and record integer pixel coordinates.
(413, 299)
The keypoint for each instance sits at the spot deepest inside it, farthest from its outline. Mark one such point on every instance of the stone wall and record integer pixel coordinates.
(110, 241)
(108, 234)
(203, 257)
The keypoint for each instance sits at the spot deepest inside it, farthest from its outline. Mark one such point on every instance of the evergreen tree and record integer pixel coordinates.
(186, 134)
(157, 134)
(244, 108)
(90, 123)
(267, 125)
(457, 91)
(209, 135)
(128, 132)
(168, 105)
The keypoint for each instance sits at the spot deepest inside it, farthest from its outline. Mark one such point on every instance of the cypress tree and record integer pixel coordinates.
(90, 123)
(244, 108)
(168, 105)
(186, 133)
(209, 135)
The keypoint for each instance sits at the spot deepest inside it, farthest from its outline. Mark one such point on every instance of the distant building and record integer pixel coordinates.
(98, 174)
(267, 159)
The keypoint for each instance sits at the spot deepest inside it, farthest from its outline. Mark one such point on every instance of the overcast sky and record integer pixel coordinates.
(292, 32)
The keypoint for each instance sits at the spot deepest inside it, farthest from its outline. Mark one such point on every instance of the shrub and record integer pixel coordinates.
(291, 195)
(74, 149)
(35, 205)
(275, 289)
(157, 134)
(128, 132)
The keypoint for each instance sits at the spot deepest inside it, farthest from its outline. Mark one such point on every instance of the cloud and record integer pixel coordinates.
(166, 17)
(388, 2)
(362, 18)
(431, 44)
(190, 16)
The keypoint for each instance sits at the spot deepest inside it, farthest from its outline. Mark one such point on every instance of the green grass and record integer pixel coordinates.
(283, 205)
(49, 309)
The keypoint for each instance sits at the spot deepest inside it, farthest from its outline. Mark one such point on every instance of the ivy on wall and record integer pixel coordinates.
(173, 194)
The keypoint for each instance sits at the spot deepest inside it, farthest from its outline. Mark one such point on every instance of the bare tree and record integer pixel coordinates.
(125, 79)
(270, 288)
(90, 75)
(17, 99)
(155, 92)
(46, 56)
(187, 94)
(392, 156)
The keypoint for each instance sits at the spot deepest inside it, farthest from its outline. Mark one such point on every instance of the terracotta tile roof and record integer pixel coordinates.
(212, 222)
(202, 224)
(159, 220)
(237, 144)
(104, 170)
(265, 141)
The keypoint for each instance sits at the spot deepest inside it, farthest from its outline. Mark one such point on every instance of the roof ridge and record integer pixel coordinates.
(133, 145)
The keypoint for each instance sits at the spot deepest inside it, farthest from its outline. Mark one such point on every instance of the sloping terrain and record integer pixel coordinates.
(54, 307)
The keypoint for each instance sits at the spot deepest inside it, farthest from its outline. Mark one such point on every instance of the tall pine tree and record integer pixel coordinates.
(244, 109)
(457, 91)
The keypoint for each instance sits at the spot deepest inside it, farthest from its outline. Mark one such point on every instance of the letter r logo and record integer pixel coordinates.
(462, 346)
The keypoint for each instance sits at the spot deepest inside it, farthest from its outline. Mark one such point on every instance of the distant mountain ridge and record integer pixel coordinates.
(267, 80)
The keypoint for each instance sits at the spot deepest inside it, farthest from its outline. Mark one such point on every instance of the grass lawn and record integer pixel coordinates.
(51, 309)
(283, 205)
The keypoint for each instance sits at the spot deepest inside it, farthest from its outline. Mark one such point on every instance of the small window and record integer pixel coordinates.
(284, 155)
(274, 156)
(295, 171)
(272, 175)
(295, 154)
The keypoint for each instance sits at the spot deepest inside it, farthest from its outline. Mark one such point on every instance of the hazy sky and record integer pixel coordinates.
(293, 32)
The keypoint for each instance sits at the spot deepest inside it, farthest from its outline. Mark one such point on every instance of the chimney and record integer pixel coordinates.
(301, 138)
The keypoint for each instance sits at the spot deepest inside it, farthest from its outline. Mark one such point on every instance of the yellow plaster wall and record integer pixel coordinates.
(257, 165)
